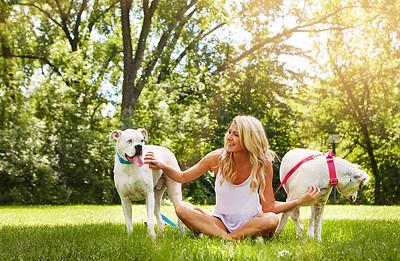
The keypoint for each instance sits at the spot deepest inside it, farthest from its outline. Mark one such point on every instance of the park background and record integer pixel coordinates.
(73, 71)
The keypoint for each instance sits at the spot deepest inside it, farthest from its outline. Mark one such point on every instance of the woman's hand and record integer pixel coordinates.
(150, 159)
(311, 195)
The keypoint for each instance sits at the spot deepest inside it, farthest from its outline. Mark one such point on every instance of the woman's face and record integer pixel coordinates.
(232, 140)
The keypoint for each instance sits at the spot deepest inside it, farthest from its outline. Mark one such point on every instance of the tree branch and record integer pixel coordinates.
(164, 67)
(78, 21)
(285, 33)
(177, 27)
(70, 7)
(64, 20)
(197, 38)
(43, 11)
(99, 15)
(141, 47)
(45, 60)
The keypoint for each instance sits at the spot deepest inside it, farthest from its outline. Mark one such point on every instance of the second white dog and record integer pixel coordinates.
(135, 181)
(315, 173)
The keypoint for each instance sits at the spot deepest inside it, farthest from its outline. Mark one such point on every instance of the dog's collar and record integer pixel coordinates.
(121, 160)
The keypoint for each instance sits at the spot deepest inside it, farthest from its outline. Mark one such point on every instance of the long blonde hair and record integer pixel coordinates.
(252, 139)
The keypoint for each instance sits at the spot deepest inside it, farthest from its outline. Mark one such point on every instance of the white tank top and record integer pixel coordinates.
(235, 204)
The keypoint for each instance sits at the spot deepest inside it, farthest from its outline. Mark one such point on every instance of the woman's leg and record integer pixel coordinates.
(263, 225)
(199, 222)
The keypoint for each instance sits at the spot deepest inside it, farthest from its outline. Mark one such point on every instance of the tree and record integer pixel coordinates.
(57, 55)
(360, 92)
(178, 35)
(172, 30)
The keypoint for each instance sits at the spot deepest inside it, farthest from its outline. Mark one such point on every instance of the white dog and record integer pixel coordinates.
(315, 173)
(134, 180)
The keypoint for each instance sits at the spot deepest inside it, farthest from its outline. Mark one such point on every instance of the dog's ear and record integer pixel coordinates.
(365, 178)
(115, 135)
(144, 133)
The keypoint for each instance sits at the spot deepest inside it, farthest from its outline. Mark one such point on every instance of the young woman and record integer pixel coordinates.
(245, 203)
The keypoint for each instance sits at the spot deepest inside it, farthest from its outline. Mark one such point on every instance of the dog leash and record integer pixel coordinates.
(169, 222)
(329, 161)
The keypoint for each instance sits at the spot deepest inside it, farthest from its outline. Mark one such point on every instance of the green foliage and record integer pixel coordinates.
(38, 167)
(201, 190)
(54, 142)
(359, 97)
(390, 166)
(61, 71)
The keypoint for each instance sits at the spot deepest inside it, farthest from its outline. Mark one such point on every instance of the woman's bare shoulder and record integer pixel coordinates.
(216, 153)
(212, 159)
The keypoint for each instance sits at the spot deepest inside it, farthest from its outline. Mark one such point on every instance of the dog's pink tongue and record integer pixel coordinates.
(137, 160)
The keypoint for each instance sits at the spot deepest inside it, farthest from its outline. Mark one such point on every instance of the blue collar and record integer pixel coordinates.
(121, 160)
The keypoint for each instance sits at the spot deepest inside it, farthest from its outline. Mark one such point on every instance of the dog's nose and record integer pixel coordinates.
(138, 149)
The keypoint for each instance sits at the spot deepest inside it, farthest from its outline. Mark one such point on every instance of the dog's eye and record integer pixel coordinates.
(129, 141)
(142, 140)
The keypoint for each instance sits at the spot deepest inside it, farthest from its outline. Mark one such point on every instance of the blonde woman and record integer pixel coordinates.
(245, 203)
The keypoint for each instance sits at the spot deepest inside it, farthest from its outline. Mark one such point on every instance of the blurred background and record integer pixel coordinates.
(74, 71)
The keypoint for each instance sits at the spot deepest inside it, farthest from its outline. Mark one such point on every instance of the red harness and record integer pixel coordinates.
(329, 161)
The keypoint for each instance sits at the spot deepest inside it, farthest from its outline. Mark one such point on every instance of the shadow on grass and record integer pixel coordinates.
(342, 240)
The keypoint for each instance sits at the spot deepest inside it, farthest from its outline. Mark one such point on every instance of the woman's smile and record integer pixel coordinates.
(232, 139)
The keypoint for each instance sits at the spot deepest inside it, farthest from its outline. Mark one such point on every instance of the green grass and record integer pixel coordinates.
(98, 233)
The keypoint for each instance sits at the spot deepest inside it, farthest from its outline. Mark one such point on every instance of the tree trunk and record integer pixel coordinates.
(6, 51)
(129, 93)
(374, 165)
(360, 116)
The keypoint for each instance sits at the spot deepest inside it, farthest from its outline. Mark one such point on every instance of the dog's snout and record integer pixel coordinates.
(138, 149)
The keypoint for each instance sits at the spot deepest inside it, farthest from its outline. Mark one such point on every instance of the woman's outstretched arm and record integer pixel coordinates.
(209, 162)
(270, 205)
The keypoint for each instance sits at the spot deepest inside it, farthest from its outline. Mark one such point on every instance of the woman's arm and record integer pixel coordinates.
(210, 161)
(270, 205)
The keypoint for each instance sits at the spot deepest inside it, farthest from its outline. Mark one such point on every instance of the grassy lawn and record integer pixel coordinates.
(98, 233)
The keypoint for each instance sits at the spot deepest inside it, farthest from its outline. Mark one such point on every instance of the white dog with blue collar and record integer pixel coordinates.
(135, 181)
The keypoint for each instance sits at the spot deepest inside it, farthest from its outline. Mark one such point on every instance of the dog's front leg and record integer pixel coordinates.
(158, 192)
(127, 209)
(282, 223)
(319, 212)
(175, 194)
(295, 215)
(311, 223)
(150, 213)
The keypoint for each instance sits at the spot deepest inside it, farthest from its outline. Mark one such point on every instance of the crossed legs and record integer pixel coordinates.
(199, 222)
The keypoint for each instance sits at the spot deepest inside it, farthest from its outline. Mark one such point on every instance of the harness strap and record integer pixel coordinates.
(331, 168)
(293, 170)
